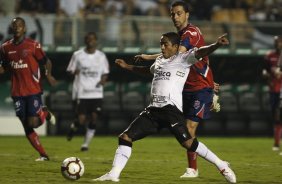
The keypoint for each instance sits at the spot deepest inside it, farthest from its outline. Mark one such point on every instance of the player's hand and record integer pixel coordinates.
(222, 40)
(51, 80)
(121, 63)
(215, 107)
(216, 87)
(141, 57)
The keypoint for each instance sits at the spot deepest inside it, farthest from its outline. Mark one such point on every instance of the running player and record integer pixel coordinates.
(91, 68)
(22, 57)
(170, 71)
(274, 76)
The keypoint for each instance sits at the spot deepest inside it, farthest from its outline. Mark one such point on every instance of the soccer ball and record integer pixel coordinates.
(72, 168)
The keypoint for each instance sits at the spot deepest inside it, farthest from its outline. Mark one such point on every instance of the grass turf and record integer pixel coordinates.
(154, 160)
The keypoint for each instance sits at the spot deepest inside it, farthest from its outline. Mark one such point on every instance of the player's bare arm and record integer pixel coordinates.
(2, 70)
(138, 69)
(146, 57)
(216, 87)
(48, 72)
(103, 80)
(206, 50)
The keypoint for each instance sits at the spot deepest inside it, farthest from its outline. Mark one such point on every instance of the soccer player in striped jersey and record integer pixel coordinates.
(22, 57)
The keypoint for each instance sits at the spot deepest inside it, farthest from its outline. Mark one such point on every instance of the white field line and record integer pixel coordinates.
(139, 160)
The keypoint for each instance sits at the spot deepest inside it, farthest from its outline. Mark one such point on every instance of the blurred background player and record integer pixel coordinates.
(165, 108)
(272, 71)
(22, 57)
(91, 68)
(198, 92)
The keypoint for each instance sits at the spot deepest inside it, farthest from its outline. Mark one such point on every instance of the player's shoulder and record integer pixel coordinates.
(99, 52)
(79, 52)
(192, 31)
(270, 53)
(7, 42)
(31, 41)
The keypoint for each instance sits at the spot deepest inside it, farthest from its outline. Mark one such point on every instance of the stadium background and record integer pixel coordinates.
(125, 32)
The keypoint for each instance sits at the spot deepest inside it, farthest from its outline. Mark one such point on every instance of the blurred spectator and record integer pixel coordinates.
(92, 10)
(28, 7)
(147, 7)
(114, 11)
(94, 7)
(71, 7)
(63, 27)
(49, 6)
(7, 7)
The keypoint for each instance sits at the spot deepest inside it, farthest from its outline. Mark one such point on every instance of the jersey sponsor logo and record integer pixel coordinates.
(161, 75)
(159, 99)
(180, 74)
(19, 65)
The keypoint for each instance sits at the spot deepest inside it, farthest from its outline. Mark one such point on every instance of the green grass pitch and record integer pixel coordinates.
(154, 160)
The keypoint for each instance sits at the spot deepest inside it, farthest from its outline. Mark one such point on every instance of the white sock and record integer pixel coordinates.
(208, 155)
(88, 137)
(121, 157)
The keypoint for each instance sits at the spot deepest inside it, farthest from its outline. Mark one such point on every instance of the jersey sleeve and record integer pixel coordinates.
(3, 60)
(106, 69)
(189, 56)
(190, 39)
(72, 64)
(39, 54)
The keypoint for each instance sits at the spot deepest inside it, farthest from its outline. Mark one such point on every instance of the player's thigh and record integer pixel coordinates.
(20, 106)
(87, 106)
(34, 104)
(196, 105)
(141, 127)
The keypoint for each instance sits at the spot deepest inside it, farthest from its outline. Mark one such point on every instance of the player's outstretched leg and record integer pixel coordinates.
(223, 166)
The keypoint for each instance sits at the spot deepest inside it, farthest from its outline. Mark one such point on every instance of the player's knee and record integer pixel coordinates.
(124, 140)
(34, 122)
(191, 144)
(92, 125)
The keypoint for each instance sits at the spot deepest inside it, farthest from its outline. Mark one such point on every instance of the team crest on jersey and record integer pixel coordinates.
(197, 104)
(35, 103)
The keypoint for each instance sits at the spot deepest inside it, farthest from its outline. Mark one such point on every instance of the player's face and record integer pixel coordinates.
(179, 17)
(168, 49)
(18, 28)
(279, 43)
(90, 41)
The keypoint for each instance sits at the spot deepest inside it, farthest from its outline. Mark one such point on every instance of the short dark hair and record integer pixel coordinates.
(181, 3)
(91, 33)
(19, 18)
(173, 37)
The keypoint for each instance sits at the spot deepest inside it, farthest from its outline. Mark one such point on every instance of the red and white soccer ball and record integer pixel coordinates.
(72, 168)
